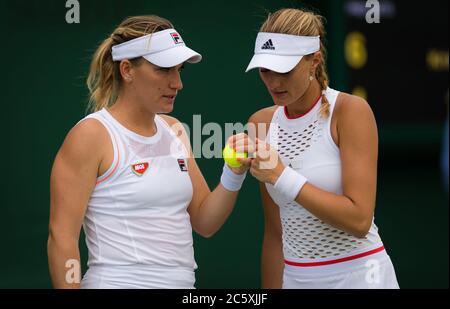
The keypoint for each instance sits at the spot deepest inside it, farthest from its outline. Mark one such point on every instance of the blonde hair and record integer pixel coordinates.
(303, 23)
(104, 79)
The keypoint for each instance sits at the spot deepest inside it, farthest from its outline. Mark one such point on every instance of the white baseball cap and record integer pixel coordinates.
(163, 48)
(282, 52)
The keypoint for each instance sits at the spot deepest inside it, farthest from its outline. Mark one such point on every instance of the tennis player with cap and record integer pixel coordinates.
(126, 172)
(317, 166)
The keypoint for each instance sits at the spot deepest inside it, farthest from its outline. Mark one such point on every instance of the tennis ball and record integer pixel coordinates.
(230, 156)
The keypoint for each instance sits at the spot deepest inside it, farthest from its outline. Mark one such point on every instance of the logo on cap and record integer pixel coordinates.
(140, 168)
(176, 37)
(268, 45)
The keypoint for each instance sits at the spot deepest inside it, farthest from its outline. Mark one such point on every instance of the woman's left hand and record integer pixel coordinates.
(266, 166)
(264, 162)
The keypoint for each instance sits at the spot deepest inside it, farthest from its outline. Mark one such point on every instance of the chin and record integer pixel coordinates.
(166, 110)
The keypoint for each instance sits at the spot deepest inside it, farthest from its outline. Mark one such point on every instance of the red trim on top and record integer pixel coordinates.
(297, 117)
(349, 258)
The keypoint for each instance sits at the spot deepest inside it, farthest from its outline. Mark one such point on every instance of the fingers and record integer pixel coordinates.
(257, 149)
(246, 146)
(245, 161)
(266, 157)
(242, 143)
(232, 139)
(263, 150)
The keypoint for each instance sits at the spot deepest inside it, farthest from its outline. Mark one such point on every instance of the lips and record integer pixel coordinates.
(170, 97)
(278, 94)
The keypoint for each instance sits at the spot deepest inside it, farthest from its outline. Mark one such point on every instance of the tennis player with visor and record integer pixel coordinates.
(126, 172)
(316, 161)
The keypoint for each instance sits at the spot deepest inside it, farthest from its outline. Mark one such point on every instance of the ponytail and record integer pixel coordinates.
(104, 77)
(102, 80)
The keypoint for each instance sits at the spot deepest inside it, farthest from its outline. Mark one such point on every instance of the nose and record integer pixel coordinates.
(175, 81)
(272, 80)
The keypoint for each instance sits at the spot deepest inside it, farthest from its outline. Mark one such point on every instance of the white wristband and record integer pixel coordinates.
(290, 183)
(230, 180)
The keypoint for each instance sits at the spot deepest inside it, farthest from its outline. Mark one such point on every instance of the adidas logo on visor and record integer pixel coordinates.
(268, 45)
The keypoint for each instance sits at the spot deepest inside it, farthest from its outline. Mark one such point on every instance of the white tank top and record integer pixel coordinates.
(306, 145)
(137, 213)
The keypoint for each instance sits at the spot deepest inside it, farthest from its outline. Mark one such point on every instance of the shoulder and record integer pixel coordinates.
(352, 107)
(88, 131)
(86, 140)
(175, 125)
(259, 120)
(354, 117)
(264, 115)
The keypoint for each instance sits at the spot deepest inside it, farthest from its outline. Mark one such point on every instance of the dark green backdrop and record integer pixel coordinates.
(45, 61)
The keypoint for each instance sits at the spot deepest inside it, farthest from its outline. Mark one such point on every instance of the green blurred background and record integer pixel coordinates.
(43, 95)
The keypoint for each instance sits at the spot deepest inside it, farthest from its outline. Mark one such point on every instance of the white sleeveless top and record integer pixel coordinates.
(306, 145)
(137, 213)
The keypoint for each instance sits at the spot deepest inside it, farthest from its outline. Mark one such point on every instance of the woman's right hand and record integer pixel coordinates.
(242, 143)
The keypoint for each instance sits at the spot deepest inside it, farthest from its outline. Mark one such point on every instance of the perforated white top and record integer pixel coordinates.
(306, 145)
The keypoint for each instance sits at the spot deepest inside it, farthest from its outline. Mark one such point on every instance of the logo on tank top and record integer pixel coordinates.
(182, 165)
(140, 168)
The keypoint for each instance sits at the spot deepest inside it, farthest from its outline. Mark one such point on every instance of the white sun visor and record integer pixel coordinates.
(282, 52)
(163, 48)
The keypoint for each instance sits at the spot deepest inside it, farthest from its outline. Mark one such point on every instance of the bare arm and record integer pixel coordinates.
(208, 210)
(72, 180)
(272, 259)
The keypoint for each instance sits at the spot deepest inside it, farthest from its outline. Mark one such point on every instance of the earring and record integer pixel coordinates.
(311, 78)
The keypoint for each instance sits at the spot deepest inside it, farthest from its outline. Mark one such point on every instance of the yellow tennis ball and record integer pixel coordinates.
(230, 156)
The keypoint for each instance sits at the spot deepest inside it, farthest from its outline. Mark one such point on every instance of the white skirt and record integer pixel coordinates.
(370, 272)
(138, 277)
